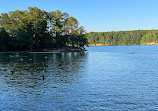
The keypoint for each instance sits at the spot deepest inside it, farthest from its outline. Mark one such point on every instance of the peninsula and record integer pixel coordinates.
(37, 30)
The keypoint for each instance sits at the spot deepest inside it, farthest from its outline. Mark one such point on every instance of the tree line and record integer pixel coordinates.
(36, 29)
(136, 37)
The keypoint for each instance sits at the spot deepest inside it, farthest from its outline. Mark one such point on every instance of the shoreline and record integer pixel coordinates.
(152, 43)
(71, 49)
(64, 49)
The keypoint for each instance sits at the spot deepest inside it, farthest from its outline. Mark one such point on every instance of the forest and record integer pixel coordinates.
(136, 37)
(36, 30)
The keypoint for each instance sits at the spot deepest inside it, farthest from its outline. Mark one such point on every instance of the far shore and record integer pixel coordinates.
(151, 43)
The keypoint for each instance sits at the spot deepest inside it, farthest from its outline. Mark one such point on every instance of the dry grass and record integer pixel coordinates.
(98, 45)
(152, 43)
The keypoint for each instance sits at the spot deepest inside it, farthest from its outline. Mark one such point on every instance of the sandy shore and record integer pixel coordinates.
(151, 43)
(98, 45)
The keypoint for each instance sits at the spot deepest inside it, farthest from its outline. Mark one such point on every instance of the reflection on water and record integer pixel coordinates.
(26, 86)
(106, 78)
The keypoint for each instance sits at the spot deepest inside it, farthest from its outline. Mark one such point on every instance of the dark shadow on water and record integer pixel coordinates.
(37, 74)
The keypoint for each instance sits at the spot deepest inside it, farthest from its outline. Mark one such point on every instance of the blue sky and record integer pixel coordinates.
(98, 15)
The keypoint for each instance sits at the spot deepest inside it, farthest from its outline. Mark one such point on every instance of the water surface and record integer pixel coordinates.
(105, 78)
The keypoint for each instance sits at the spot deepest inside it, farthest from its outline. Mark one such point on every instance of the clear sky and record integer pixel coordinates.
(97, 15)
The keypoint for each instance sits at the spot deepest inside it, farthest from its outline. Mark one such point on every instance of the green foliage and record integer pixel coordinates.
(4, 38)
(36, 29)
(137, 37)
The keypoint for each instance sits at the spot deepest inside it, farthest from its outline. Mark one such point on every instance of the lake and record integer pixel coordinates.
(104, 78)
